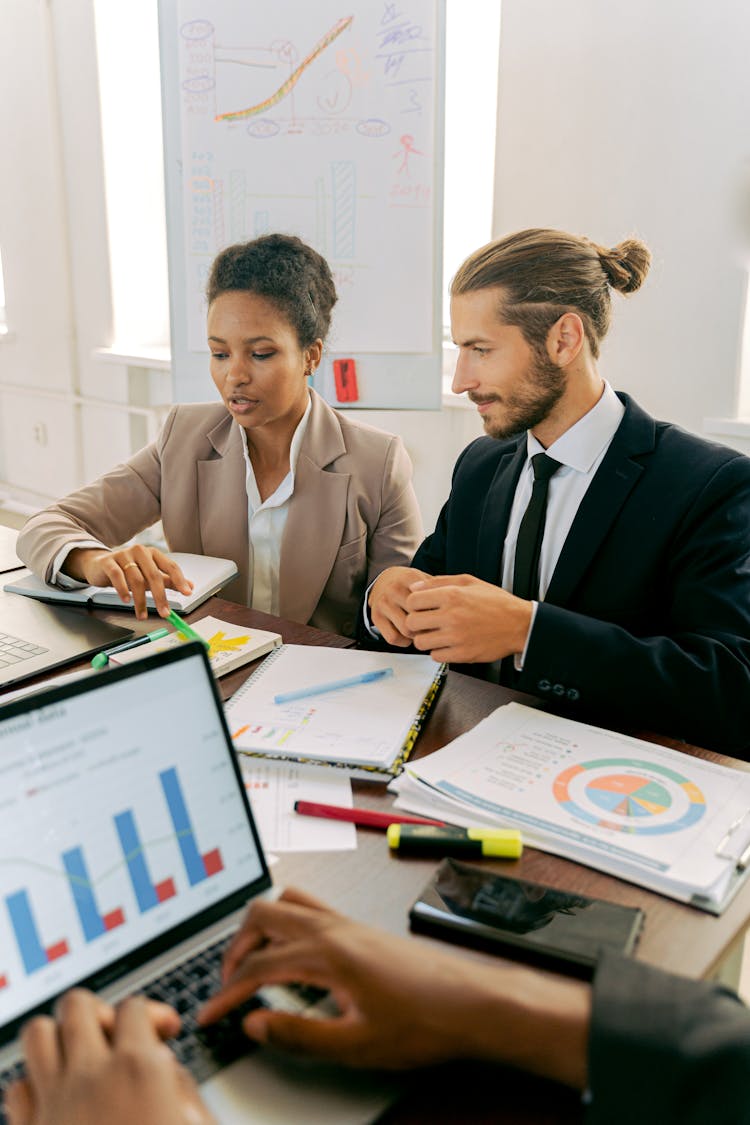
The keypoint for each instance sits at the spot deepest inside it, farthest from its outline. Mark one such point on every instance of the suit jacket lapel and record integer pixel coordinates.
(496, 513)
(222, 489)
(317, 516)
(612, 484)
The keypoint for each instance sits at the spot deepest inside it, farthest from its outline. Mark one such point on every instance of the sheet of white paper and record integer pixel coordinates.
(273, 787)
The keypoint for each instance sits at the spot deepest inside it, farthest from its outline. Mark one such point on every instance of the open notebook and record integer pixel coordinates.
(368, 728)
(207, 574)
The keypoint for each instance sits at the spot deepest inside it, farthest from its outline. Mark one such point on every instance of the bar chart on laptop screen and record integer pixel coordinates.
(107, 838)
(83, 892)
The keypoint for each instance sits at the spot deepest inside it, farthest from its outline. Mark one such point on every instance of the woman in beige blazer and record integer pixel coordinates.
(310, 504)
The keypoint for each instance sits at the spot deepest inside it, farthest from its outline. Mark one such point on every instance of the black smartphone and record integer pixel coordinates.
(543, 925)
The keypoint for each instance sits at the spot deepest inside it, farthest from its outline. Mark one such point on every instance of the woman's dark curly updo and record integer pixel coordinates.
(287, 272)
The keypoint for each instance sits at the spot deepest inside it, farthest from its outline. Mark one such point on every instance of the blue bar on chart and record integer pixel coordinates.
(94, 924)
(191, 857)
(145, 892)
(33, 953)
(26, 932)
(83, 895)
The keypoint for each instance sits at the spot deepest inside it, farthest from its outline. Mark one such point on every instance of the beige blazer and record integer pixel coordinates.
(352, 514)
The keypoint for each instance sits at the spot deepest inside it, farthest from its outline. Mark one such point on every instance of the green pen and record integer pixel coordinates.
(101, 660)
(183, 628)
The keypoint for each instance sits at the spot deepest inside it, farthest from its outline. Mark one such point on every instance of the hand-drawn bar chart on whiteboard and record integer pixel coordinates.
(318, 120)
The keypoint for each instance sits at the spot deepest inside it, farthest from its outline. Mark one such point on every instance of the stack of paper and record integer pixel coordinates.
(642, 812)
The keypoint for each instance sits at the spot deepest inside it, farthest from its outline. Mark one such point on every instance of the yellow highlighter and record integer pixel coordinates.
(419, 839)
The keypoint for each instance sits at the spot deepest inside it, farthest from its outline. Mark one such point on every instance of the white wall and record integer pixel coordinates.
(633, 117)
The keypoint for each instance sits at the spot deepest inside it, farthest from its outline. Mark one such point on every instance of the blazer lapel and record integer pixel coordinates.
(496, 513)
(612, 484)
(317, 516)
(222, 505)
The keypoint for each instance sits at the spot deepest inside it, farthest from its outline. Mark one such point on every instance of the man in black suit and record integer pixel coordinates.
(628, 601)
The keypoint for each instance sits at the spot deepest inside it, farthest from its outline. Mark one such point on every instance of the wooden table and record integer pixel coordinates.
(378, 888)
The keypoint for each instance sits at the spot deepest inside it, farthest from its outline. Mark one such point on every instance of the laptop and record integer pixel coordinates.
(36, 638)
(130, 852)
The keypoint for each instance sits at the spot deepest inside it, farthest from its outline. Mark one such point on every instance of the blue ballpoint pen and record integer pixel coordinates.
(333, 685)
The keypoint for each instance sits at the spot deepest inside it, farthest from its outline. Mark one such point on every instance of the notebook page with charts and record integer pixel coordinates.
(208, 575)
(368, 728)
(657, 817)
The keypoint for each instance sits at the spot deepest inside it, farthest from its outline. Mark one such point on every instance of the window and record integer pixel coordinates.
(130, 102)
(472, 60)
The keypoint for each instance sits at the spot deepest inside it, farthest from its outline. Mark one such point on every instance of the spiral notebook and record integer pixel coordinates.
(368, 728)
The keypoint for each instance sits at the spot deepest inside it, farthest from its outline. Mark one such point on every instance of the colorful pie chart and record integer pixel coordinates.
(629, 796)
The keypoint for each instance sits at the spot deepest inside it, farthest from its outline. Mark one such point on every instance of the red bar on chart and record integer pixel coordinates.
(165, 890)
(57, 950)
(212, 862)
(114, 919)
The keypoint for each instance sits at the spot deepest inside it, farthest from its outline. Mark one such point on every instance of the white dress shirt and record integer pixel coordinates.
(266, 522)
(580, 451)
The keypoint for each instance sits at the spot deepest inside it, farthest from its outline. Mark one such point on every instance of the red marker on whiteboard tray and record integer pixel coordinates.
(345, 375)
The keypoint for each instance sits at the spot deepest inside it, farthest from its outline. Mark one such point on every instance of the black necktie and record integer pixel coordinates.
(531, 531)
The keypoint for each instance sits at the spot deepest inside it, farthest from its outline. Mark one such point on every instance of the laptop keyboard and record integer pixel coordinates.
(206, 1050)
(13, 650)
(203, 1050)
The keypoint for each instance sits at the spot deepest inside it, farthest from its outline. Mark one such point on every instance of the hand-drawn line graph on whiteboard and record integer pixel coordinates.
(287, 86)
(319, 121)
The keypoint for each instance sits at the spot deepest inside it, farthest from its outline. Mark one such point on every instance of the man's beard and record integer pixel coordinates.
(543, 387)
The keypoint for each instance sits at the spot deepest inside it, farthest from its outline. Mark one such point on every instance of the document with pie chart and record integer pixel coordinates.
(655, 816)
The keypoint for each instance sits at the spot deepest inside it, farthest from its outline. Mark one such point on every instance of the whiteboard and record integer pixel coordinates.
(323, 120)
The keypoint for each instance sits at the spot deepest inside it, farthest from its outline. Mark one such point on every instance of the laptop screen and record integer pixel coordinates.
(124, 826)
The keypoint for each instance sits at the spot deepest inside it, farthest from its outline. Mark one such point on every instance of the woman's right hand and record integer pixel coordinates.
(132, 572)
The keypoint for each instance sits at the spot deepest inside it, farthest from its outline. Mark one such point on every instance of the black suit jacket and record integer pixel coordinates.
(666, 1051)
(646, 621)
